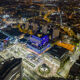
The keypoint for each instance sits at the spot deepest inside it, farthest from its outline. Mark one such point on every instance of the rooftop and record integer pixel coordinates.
(57, 51)
(2, 36)
(12, 31)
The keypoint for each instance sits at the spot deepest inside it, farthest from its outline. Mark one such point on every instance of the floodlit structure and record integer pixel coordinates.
(38, 43)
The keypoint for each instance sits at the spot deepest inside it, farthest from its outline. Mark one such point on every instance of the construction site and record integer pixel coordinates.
(45, 34)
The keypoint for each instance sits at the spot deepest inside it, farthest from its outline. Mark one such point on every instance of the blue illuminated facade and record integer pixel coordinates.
(38, 44)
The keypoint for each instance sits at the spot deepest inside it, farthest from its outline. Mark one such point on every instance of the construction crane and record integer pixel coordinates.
(21, 29)
(24, 29)
(67, 29)
(48, 13)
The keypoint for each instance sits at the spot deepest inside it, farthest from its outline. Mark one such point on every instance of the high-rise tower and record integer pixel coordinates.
(11, 69)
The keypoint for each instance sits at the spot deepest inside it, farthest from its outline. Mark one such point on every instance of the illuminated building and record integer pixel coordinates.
(38, 43)
(4, 40)
(11, 69)
(58, 51)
